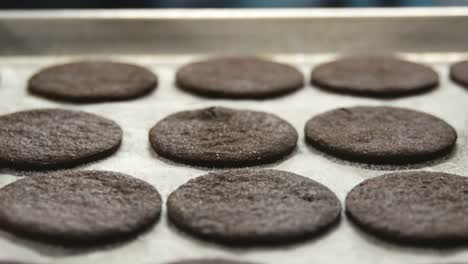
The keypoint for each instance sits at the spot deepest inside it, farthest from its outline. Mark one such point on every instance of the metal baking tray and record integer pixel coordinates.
(164, 40)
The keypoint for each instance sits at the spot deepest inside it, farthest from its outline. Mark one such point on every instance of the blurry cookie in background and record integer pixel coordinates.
(239, 77)
(93, 81)
(374, 76)
(209, 261)
(459, 73)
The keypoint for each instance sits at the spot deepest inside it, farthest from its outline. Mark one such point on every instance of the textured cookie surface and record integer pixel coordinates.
(55, 138)
(239, 77)
(78, 207)
(223, 137)
(93, 81)
(374, 76)
(418, 207)
(209, 261)
(459, 73)
(253, 206)
(383, 135)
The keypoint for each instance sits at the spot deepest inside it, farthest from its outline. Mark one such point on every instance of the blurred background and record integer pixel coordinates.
(34, 4)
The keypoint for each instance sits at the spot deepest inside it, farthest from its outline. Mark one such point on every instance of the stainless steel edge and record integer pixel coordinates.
(177, 31)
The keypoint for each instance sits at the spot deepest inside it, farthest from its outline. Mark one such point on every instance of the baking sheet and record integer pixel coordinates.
(344, 244)
(163, 41)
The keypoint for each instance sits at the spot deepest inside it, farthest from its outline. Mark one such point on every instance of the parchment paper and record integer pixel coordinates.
(164, 243)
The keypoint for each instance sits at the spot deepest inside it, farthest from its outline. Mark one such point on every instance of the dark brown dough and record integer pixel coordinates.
(424, 208)
(253, 207)
(382, 135)
(223, 137)
(55, 138)
(378, 76)
(239, 77)
(459, 73)
(79, 207)
(209, 261)
(93, 81)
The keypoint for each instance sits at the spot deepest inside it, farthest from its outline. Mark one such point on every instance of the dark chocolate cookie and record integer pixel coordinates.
(209, 261)
(55, 138)
(374, 76)
(382, 135)
(79, 207)
(427, 208)
(239, 77)
(253, 206)
(459, 73)
(93, 81)
(223, 137)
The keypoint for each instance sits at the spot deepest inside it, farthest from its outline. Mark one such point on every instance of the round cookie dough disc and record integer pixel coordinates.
(79, 207)
(382, 135)
(459, 73)
(374, 76)
(209, 261)
(253, 206)
(55, 138)
(93, 81)
(415, 207)
(239, 77)
(223, 137)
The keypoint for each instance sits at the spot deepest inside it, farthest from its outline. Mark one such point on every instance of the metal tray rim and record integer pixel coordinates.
(254, 13)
